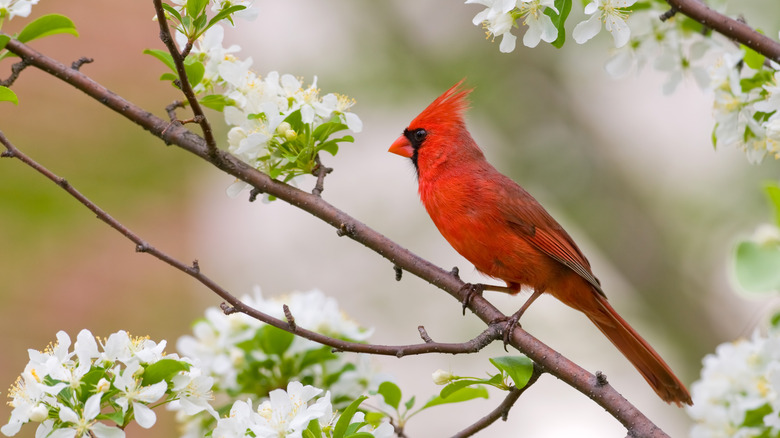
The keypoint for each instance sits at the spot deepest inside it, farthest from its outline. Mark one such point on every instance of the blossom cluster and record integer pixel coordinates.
(98, 387)
(739, 390)
(289, 413)
(277, 124)
(744, 85)
(249, 359)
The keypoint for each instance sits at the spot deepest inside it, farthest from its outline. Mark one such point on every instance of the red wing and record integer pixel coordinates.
(532, 222)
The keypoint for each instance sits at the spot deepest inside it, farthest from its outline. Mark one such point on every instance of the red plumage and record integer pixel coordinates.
(500, 228)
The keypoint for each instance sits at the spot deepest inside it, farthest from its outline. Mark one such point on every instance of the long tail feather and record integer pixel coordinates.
(639, 353)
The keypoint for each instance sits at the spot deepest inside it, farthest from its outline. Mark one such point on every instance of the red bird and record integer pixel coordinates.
(500, 228)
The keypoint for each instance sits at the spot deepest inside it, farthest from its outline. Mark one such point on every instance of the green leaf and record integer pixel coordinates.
(519, 368)
(51, 24)
(7, 95)
(224, 13)
(756, 81)
(391, 393)
(752, 58)
(4, 40)
(559, 20)
(313, 429)
(461, 395)
(757, 266)
(194, 69)
(457, 385)
(374, 418)
(409, 403)
(755, 417)
(274, 340)
(195, 7)
(360, 435)
(117, 417)
(171, 10)
(165, 57)
(773, 192)
(216, 102)
(163, 369)
(346, 417)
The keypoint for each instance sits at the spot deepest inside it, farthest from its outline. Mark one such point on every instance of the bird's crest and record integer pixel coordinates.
(447, 109)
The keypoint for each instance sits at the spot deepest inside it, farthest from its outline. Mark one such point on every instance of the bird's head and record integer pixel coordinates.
(438, 130)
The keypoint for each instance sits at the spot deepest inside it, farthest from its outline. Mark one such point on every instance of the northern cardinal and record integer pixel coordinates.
(500, 228)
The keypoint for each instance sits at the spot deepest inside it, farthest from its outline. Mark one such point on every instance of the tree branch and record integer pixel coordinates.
(550, 360)
(492, 333)
(729, 27)
(184, 84)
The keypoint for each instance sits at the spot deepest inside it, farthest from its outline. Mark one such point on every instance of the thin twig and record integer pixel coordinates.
(502, 410)
(15, 70)
(184, 83)
(81, 61)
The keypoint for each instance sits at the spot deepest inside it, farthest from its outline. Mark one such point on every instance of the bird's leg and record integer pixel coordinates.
(514, 321)
(471, 290)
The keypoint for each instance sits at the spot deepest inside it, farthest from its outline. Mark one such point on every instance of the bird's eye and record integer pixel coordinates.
(419, 135)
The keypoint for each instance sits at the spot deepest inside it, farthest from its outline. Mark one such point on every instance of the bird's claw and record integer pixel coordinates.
(470, 290)
(512, 323)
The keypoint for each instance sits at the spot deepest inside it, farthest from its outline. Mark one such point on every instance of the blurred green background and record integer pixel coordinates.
(629, 172)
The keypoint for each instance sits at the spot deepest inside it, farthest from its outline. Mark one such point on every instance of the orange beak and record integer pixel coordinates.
(402, 147)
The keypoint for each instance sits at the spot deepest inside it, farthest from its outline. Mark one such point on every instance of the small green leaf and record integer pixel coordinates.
(757, 267)
(195, 7)
(4, 40)
(314, 429)
(163, 369)
(194, 69)
(51, 24)
(457, 385)
(7, 95)
(171, 10)
(519, 368)
(224, 13)
(755, 417)
(409, 403)
(752, 58)
(773, 192)
(461, 395)
(346, 417)
(374, 418)
(274, 340)
(165, 57)
(391, 393)
(360, 435)
(216, 102)
(559, 20)
(117, 417)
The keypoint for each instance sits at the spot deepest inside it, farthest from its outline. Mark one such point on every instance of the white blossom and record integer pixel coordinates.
(611, 14)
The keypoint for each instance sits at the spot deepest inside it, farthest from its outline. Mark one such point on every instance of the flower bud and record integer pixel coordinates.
(441, 377)
(290, 135)
(103, 385)
(283, 128)
(39, 413)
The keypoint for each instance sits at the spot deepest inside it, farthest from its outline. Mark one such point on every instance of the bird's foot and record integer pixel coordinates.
(468, 291)
(511, 323)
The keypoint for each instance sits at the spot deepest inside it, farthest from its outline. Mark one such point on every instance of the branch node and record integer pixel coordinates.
(601, 379)
(669, 14)
(76, 65)
(254, 193)
(424, 335)
(346, 230)
(319, 171)
(289, 317)
(7, 154)
(196, 266)
(15, 70)
(142, 247)
(399, 272)
(455, 272)
(227, 309)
